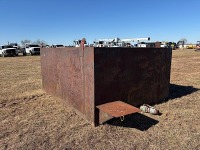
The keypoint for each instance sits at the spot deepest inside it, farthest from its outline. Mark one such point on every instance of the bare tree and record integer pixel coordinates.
(184, 40)
(40, 42)
(23, 42)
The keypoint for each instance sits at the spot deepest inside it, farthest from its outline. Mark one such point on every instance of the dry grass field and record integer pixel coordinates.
(31, 119)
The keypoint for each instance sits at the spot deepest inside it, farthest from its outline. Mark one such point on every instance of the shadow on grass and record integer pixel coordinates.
(177, 91)
(142, 122)
(136, 120)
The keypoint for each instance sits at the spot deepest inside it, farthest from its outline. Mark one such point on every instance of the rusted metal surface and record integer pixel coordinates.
(132, 75)
(68, 73)
(86, 78)
(118, 108)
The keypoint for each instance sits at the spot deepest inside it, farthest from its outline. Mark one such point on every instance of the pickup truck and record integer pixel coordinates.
(32, 49)
(7, 50)
(17, 47)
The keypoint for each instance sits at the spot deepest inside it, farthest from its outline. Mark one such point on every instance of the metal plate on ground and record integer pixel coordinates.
(118, 108)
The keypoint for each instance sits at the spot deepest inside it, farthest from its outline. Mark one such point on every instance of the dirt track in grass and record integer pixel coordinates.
(31, 119)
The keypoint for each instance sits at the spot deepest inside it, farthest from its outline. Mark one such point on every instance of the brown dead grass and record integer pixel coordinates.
(30, 119)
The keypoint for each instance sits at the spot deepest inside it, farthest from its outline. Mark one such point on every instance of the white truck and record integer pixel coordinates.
(7, 50)
(15, 45)
(32, 49)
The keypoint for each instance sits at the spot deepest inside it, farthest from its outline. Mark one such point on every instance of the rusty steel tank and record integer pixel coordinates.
(89, 77)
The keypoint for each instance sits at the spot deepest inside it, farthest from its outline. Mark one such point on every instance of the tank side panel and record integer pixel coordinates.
(132, 75)
(66, 73)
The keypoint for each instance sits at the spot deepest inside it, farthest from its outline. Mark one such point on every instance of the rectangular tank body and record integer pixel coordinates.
(89, 77)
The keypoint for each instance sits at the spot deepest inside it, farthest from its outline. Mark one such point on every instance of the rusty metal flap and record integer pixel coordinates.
(118, 108)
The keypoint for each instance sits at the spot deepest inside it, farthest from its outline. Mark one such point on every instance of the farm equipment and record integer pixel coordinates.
(182, 44)
(190, 46)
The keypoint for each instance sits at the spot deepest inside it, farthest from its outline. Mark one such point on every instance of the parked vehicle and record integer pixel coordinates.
(182, 44)
(103, 43)
(7, 50)
(142, 44)
(127, 42)
(190, 46)
(198, 45)
(163, 45)
(150, 44)
(117, 42)
(32, 49)
(15, 45)
(57, 46)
